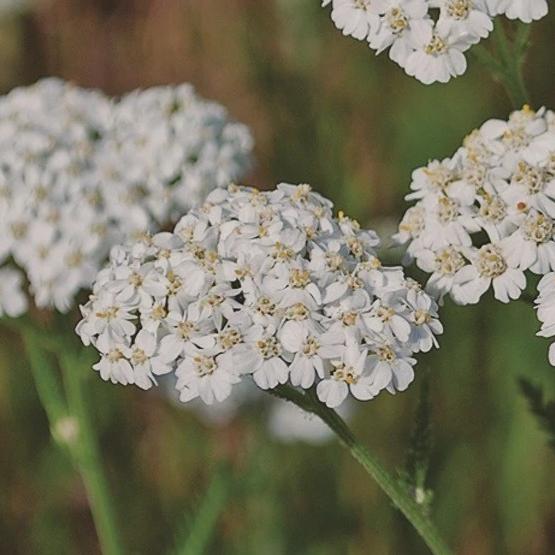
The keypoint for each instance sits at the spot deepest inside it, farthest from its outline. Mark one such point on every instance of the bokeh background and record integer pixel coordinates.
(323, 110)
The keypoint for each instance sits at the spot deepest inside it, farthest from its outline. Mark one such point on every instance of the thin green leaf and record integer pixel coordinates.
(198, 534)
(419, 452)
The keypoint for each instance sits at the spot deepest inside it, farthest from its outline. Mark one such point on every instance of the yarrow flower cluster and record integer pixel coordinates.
(487, 215)
(428, 38)
(268, 285)
(79, 172)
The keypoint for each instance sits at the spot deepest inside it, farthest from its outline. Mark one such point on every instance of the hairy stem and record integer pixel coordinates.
(392, 487)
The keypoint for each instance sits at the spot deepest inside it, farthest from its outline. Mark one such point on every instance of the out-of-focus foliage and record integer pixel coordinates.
(323, 110)
(543, 410)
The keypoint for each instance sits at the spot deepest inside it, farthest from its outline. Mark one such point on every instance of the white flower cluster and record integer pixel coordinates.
(487, 215)
(264, 284)
(79, 171)
(428, 38)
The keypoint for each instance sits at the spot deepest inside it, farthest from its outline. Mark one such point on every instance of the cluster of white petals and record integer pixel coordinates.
(80, 171)
(545, 307)
(428, 38)
(265, 285)
(487, 215)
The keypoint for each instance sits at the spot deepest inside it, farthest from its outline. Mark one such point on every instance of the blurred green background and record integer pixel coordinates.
(324, 110)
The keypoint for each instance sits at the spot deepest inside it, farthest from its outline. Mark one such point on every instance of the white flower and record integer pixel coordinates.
(390, 369)
(531, 246)
(207, 375)
(426, 323)
(261, 355)
(184, 330)
(438, 53)
(525, 10)
(349, 374)
(396, 24)
(261, 286)
(433, 178)
(532, 186)
(489, 266)
(387, 316)
(467, 17)
(311, 349)
(113, 365)
(146, 359)
(356, 17)
(109, 320)
(428, 37)
(443, 264)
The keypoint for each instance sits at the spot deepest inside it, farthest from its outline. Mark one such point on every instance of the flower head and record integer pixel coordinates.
(486, 216)
(268, 286)
(428, 38)
(80, 171)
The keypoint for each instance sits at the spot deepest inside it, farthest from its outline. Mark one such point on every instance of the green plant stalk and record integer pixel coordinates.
(44, 376)
(392, 487)
(81, 442)
(512, 59)
(506, 65)
(87, 454)
(200, 531)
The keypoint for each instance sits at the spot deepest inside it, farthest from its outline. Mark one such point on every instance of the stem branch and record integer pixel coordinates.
(393, 488)
(507, 65)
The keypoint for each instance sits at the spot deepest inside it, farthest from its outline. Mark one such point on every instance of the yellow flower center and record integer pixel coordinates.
(538, 228)
(229, 338)
(436, 46)
(397, 20)
(344, 373)
(490, 263)
(297, 312)
(204, 365)
(299, 278)
(459, 9)
(448, 261)
(421, 317)
(269, 348)
(386, 353)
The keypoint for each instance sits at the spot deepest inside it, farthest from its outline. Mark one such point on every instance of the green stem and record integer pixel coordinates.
(507, 65)
(392, 487)
(44, 375)
(88, 457)
(512, 56)
(72, 427)
(200, 531)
